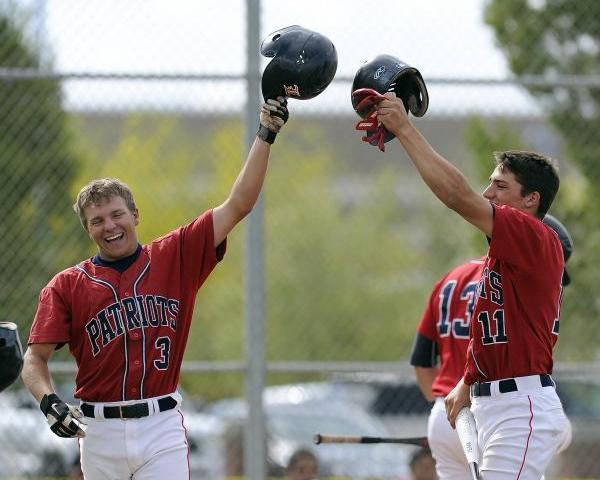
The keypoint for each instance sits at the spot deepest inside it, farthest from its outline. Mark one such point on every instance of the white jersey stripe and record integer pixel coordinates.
(135, 294)
(117, 300)
(477, 364)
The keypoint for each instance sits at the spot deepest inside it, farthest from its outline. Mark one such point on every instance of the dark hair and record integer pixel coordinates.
(298, 455)
(535, 173)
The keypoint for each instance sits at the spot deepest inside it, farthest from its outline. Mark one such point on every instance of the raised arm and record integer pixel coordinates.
(247, 187)
(442, 178)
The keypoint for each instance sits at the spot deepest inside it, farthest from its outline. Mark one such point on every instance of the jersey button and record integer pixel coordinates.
(137, 362)
(134, 390)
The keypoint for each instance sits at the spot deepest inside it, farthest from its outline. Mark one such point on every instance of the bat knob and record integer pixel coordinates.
(317, 438)
(474, 470)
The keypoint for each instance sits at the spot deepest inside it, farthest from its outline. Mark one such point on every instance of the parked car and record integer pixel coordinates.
(295, 413)
(400, 405)
(581, 402)
(29, 448)
(206, 436)
(396, 403)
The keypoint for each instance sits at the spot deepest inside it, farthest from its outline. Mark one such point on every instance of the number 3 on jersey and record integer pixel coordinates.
(457, 327)
(164, 345)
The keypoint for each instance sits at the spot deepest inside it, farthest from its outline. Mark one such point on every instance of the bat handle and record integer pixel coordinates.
(474, 470)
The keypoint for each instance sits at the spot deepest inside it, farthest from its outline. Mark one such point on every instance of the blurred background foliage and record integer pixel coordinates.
(353, 239)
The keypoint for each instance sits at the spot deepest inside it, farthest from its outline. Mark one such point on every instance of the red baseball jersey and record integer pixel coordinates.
(127, 332)
(515, 322)
(446, 321)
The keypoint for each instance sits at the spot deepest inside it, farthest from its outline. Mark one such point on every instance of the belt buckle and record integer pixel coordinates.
(121, 413)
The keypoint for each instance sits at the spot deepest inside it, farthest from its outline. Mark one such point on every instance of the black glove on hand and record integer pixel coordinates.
(273, 115)
(64, 420)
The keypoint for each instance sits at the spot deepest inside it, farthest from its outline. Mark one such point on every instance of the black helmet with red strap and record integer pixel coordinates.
(303, 63)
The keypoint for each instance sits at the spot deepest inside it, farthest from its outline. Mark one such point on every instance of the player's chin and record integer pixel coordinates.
(112, 252)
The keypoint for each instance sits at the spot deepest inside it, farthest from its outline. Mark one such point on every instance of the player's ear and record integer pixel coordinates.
(532, 200)
(136, 217)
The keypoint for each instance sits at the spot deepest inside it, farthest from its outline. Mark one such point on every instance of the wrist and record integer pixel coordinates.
(265, 134)
(404, 131)
(47, 400)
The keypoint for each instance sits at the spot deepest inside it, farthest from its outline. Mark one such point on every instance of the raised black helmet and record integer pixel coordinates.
(303, 63)
(386, 73)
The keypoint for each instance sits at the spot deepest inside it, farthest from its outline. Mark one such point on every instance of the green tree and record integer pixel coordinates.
(552, 39)
(38, 161)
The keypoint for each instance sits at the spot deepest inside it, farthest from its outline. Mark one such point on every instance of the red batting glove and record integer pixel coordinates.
(366, 99)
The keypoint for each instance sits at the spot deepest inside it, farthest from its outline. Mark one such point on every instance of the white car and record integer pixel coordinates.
(29, 448)
(293, 419)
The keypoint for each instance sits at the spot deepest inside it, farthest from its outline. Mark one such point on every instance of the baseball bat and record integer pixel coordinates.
(419, 441)
(467, 433)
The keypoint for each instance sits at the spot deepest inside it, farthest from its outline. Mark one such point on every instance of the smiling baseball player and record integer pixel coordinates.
(126, 314)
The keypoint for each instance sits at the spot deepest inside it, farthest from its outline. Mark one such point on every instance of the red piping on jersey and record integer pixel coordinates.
(528, 437)
(187, 445)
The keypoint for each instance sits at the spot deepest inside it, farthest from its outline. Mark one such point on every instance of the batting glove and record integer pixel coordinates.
(64, 420)
(273, 115)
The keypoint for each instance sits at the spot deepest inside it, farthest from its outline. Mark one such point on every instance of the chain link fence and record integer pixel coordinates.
(154, 93)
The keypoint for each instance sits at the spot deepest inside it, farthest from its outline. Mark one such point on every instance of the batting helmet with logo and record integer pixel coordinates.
(304, 63)
(11, 354)
(386, 73)
(565, 240)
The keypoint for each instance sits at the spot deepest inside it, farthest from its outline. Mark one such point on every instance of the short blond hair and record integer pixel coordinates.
(99, 191)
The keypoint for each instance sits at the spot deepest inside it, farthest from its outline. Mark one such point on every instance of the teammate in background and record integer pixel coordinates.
(443, 333)
(303, 465)
(516, 314)
(126, 314)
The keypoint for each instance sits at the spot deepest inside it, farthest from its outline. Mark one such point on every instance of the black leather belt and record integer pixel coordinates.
(135, 410)
(483, 389)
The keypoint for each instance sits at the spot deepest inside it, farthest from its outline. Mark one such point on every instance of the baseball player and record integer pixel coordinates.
(443, 333)
(125, 315)
(515, 321)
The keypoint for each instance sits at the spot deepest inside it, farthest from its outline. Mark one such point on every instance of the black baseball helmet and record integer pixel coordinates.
(304, 63)
(565, 240)
(386, 73)
(11, 354)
